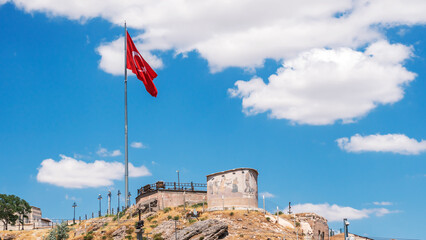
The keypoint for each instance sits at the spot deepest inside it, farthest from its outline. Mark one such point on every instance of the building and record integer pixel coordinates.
(232, 189)
(34, 221)
(170, 194)
(313, 226)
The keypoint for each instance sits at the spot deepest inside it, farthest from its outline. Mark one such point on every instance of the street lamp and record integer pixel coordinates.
(118, 207)
(178, 178)
(109, 203)
(345, 225)
(74, 206)
(128, 196)
(100, 198)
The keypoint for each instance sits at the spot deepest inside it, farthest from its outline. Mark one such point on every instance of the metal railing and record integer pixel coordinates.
(172, 186)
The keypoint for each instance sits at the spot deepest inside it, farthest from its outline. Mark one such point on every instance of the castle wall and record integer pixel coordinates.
(232, 189)
(172, 198)
(318, 225)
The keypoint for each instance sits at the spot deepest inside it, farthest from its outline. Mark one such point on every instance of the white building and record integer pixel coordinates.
(34, 221)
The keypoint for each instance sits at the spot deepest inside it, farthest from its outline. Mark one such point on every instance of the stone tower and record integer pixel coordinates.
(232, 189)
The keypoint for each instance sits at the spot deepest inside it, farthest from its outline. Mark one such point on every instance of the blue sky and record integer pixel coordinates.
(330, 112)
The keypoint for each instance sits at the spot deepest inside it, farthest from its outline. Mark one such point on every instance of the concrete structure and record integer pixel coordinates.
(170, 194)
(33, 221)
(232, 189)
(313, 226)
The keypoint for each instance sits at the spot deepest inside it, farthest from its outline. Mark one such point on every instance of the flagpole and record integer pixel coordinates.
(126, 170)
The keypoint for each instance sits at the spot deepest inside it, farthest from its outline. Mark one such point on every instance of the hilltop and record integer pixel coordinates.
(228, 224)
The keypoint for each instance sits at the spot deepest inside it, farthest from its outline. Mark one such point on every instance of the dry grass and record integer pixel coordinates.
(242, 225)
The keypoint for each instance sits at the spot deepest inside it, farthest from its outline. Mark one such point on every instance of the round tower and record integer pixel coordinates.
(232, 189)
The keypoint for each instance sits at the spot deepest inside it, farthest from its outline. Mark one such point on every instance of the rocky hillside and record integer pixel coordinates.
(230, 224)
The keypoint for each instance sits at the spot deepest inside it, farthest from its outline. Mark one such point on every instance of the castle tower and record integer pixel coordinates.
(232, 189)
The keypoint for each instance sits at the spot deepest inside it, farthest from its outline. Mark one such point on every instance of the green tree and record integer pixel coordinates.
(23, 209)
(12, 208)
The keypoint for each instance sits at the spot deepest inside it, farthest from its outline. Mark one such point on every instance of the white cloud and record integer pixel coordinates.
(103, 152)
(394, 143)
(137, 145)
(335, 212)
(71, 173)
(382, 203)
(112, 57)
(322, 86)
(233, 33)
(267, 194)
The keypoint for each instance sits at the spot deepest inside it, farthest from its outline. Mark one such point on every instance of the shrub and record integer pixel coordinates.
(88, 237)
(231, 213)
(191, 220)
(176, 218)
(150, 218)
(153, 225)
(166, 210)
(130, 230)
(169, 217)
(114, 218)
(268, 219)
(60, 232)
(158, 237)
(297, 224)
(201, 238)
(198, 205)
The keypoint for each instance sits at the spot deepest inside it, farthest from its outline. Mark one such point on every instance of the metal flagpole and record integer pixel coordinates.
(126, 170)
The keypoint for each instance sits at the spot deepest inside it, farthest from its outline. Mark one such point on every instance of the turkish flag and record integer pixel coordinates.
(140, 67)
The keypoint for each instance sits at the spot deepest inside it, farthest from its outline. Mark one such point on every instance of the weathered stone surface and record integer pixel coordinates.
(167, 229)
(119, 234)
(210, 229)
(7, 237)
(97, 223)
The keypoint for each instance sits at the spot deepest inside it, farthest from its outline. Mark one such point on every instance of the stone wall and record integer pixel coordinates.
(318, 226)
(172, 198)
(232, 189)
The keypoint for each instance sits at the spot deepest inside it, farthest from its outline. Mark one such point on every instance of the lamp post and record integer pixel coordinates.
(178, 178)
(100, 198)
(345, 225)
(128, 197)
(118, 207)
(74, 206)
(109, 203)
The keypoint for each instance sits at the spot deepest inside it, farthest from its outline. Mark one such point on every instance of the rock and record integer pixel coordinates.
(239, 219)
(209, 229)
(96, 224)
(119, 234)
(8, 237)
(167, 229)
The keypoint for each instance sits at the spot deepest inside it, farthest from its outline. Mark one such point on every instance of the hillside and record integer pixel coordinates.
(230, 224)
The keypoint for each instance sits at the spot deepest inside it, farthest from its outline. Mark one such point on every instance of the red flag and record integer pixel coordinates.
(140, 67)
